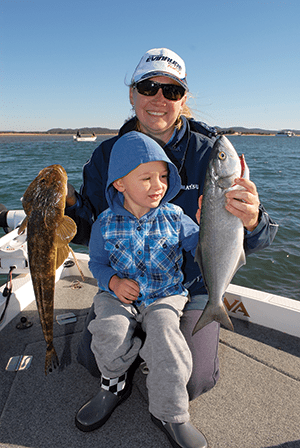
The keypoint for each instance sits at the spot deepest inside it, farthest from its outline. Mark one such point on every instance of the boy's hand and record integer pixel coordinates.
(126, 290)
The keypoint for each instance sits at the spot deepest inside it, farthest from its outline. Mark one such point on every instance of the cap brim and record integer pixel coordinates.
(161, 73)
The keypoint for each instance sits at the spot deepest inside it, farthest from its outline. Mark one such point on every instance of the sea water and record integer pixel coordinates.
(274, 168)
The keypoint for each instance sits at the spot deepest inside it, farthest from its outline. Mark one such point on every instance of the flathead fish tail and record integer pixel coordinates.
(213, 313)
(51, 361)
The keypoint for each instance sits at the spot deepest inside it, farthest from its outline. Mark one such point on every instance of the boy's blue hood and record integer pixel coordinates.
(128, 153)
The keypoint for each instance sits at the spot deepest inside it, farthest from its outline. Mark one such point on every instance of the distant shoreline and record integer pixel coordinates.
(46, 134)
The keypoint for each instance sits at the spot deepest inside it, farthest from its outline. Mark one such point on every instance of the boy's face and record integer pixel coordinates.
(144, 187)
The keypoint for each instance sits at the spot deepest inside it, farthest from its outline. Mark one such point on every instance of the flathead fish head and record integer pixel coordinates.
(49, 187)
(224, 164)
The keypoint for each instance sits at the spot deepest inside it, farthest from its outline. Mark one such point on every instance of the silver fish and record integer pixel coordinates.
(220, 252)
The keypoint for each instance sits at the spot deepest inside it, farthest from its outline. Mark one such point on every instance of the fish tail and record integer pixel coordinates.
(51, 361)
(212, 313)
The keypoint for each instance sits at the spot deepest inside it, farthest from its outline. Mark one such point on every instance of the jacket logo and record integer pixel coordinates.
(190, 187)
(236, 306)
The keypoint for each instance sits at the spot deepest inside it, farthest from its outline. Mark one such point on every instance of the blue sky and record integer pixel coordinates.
(64, 63)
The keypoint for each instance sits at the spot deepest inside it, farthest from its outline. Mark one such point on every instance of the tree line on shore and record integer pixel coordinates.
(102, 131)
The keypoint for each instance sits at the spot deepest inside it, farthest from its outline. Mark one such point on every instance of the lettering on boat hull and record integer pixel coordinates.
(236, 306)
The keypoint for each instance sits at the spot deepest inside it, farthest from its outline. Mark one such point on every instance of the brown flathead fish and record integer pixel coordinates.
(48, 235)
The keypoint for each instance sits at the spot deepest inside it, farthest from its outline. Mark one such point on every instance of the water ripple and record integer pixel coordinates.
(274, 167)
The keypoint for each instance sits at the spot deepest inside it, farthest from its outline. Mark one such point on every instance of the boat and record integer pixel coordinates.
(256, 402)
(81, 138)
(285, 134)
(258, 307)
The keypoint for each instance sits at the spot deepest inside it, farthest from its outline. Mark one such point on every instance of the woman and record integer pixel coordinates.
(158, 94)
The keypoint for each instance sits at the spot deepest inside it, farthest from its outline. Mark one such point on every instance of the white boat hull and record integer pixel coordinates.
(285, 134)
(262, 308)
(23, 294)
(268, 310)
(84, 139)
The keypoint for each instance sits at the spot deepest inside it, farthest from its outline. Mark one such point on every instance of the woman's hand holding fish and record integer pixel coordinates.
(126, 290)
(71, 197)
(244, 203)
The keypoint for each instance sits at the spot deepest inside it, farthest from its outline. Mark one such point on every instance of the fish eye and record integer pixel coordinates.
(222, 155)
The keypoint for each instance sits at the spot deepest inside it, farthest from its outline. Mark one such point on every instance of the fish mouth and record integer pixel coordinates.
(243, 168)
(226, 182)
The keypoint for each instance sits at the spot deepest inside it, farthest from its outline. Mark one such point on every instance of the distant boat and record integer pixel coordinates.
(285, 134)
(91, 138)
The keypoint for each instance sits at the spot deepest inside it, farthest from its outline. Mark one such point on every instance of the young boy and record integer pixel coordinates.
(136, 256)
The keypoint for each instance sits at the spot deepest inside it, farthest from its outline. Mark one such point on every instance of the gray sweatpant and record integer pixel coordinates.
(165, 349)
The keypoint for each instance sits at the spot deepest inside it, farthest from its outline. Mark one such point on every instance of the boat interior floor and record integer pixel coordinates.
(255, 404)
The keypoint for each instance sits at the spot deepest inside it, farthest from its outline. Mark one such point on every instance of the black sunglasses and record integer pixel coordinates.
(171, 92)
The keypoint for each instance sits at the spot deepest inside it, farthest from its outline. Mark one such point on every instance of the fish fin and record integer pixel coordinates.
(23, 225)
(61, 254)
(240, 262)
(51, 361)
(212, 313)
(198, 259)
(65, 232)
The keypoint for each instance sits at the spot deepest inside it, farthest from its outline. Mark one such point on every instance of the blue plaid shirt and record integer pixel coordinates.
(147, 250)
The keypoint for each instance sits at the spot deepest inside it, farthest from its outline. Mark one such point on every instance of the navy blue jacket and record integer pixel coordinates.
(189, 150)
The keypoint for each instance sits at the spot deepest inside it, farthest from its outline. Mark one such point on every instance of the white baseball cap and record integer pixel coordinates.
(161, 62)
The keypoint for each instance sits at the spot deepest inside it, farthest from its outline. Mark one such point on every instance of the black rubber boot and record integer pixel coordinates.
(182, 435)
(97, 411)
